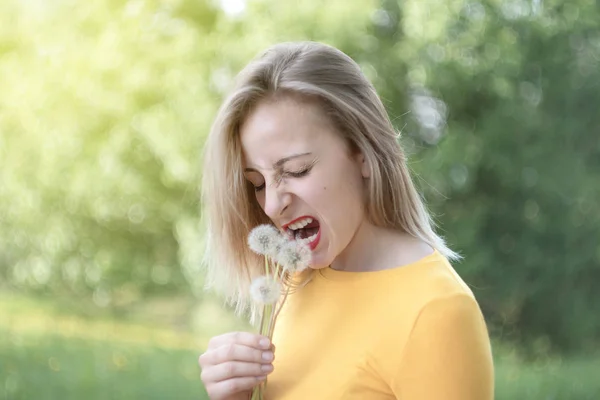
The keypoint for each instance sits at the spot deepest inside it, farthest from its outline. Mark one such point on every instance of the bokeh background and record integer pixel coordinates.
(104, 107)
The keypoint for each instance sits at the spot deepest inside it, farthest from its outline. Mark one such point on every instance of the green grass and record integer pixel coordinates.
(53, 350)
(55, 367)
(573, 378)
(49, 354)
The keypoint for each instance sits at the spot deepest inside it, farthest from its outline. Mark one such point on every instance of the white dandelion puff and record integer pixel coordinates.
(264, 240)
(278, 244)
(294, 256)
(265, 290)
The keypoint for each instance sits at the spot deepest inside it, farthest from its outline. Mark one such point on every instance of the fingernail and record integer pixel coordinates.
(265, 343)
(267, 356)
(267, 368)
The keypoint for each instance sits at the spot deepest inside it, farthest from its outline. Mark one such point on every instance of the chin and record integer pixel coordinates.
(318, 263)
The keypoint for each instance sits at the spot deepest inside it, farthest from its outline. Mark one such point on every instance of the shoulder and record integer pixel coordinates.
(428, 279)
(444, 307)
(449, 314)
(448, 343)
(428, 272)
(434, 321)
(440, 280)
(429, 291)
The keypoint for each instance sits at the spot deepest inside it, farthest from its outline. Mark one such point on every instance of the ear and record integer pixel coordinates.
(365, 170)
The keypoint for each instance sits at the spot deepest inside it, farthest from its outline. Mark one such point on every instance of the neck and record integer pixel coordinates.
(375, 248)
(364, 250)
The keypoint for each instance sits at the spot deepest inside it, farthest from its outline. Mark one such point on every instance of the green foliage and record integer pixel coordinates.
(100, 135)
(518, 168)
(104, 107)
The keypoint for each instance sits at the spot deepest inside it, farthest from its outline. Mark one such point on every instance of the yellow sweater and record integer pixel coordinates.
(409, 333)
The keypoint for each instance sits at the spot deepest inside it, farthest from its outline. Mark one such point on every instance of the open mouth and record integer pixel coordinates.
(305, 230)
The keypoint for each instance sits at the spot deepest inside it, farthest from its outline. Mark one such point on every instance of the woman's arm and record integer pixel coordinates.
(448, 354)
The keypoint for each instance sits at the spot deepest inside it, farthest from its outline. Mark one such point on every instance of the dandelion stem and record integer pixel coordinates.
(278, 310)
(266, 322)
(262, 318)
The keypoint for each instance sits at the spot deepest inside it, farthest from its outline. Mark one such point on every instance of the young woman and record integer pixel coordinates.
(304, 143)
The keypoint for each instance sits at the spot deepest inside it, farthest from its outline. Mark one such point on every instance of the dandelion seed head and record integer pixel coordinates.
(264, 240)
(278, 244)
(265, 290)
(294, 256)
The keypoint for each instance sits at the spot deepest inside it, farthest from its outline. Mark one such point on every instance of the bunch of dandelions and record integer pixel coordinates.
(283, 258)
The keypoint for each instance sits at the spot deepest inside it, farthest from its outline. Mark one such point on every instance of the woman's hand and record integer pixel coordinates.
(234, 364)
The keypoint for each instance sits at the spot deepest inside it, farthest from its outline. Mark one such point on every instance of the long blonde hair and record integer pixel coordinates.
(316, 71)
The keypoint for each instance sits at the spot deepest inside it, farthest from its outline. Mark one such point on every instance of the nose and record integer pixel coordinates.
(277, 200)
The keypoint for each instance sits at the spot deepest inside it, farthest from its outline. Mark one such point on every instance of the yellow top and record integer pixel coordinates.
(410, 333)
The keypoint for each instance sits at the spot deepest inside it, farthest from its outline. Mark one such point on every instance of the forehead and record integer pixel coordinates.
(277, 129)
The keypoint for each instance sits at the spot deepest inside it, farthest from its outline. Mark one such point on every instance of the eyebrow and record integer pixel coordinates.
(280, 162)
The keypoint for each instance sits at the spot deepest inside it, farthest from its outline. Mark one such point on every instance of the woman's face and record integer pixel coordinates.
(305, 177)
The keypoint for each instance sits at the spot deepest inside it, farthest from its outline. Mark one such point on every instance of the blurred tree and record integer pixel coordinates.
(101, 127)
(518, 167)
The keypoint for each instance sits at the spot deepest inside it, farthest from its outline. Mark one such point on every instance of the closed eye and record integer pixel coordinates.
(303, 171)
(294, 174)
(297, 174)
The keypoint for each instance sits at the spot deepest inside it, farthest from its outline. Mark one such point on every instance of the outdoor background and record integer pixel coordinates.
(104, 108)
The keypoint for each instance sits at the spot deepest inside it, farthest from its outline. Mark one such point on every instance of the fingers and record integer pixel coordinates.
(235, 369)
(235, 352)
(234, 363)
(245, 338)
(224, 389)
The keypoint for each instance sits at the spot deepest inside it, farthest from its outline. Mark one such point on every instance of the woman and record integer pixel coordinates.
(304, 143)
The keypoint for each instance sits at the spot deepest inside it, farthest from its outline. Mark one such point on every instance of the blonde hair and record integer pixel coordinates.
(313, 71)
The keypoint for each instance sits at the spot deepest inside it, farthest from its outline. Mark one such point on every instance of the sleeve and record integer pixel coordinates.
(448, 354)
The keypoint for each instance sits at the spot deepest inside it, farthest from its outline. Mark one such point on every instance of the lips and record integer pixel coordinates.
(315, 242)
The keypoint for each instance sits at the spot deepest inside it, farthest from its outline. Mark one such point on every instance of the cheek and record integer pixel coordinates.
(332, 200)
(314, 195)
(345, 201)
